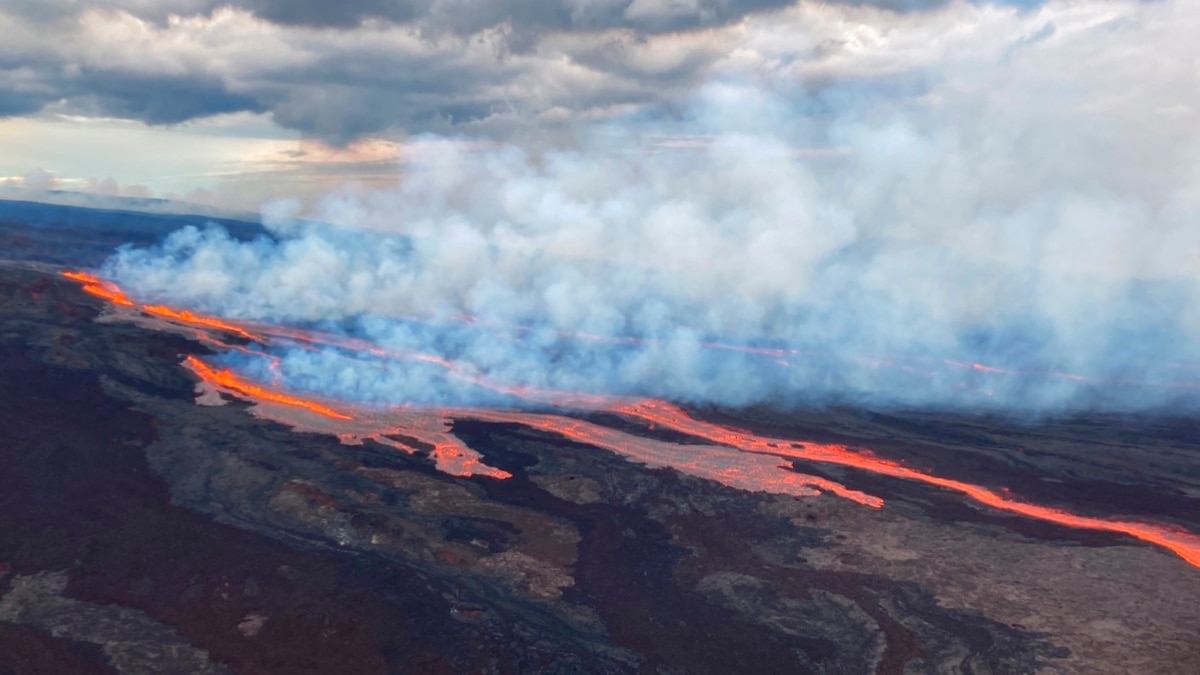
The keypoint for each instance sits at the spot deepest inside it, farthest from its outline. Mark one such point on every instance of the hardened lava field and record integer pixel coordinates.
(140, 527)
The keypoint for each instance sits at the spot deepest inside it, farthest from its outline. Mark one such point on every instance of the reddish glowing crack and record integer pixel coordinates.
(109, 291)
(449, 453)
(227, 379)
(759, 463)
(738, 470)
(1184, 544)
(192, 319)
(100, 288)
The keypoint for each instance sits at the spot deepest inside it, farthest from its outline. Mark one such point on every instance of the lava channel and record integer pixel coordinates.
(450, 454)
(741, 469)
(1181, 542)
(109, 291)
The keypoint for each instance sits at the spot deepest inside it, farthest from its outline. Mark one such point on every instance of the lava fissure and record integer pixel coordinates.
(736, 457)
(227, 379)
(1184, 544)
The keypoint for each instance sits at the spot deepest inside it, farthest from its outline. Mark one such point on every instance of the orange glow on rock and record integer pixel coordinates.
(111, 292)
(1184, 544)
(753, 473)
(190, 318)
(98, 287)
(736, 457)
(450, 454)
(227, 379)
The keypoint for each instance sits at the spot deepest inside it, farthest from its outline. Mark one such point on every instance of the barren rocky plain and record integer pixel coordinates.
(143, 533)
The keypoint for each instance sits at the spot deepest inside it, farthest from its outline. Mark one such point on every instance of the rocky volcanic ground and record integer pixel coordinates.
(142, 533)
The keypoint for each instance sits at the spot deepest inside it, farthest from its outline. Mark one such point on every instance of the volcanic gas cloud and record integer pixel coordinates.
(734, 457)
(980, 245)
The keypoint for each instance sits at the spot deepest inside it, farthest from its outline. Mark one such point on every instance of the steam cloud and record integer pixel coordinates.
(1031, 206)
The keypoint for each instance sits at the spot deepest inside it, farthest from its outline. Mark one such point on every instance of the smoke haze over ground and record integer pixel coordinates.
(1027, 202)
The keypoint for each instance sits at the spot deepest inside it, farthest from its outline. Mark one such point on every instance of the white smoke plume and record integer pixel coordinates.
(1017, 190)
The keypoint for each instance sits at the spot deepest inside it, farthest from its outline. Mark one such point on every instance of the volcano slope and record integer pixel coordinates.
(141, 532)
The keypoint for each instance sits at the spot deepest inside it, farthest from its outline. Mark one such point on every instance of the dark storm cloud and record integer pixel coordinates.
(414, 65)
(337, 99)
(526, 17)
(320, 13)
(348, 93)
(14, 103)
(152, 10)
(462, 17)
(158, 99)
(345, 69)
(28, 85)
(342, 113)
(465, 17)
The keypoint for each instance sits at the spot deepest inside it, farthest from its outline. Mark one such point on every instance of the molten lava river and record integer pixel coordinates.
(731, 456)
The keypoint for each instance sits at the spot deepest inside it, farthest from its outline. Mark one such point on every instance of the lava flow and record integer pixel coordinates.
(226, 379)
(109, 291)
(100, 288)
(450, 454)
(735, 469)
(1184, 544)
(730, 456)
(192, 319)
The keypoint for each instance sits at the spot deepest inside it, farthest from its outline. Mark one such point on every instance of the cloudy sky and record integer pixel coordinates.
(1001, 181)
(236, 102)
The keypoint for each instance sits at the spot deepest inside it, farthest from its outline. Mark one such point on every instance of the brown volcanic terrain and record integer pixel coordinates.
(140, 532)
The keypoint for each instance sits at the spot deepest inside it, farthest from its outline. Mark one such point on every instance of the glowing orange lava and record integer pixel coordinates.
(188, 317)
(730, 456)
(735, 469)
(100, 288)
(227, 379)
(449, 453)
(111, 292)
(1184, 544)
